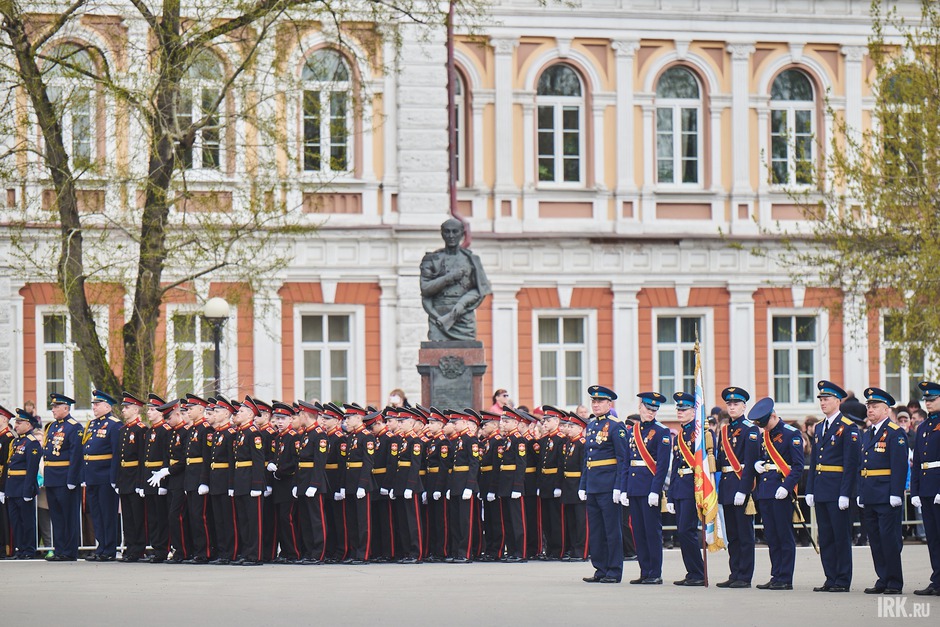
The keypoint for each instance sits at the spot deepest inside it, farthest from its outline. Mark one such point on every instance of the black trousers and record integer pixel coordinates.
(383, 529)
(226, 532)
(358, 526)
(133, 524)
(551, 526)
(408, 522)
(337, 544)
(285, 514)
(248, 512)
(494, 536)
(514, 525)
(201, 525)
(268, 529)
(574, 530)
(178, 525)
(158, 530)
(463, 519)
(533, 525)
(313, 525)
(437, 528)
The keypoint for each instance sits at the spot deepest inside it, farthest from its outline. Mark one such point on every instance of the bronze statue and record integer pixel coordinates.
(453, 285)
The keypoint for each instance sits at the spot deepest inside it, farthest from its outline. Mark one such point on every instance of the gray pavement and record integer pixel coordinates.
(543, 593)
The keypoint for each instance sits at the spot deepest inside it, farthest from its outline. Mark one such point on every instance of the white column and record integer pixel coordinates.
(267, 343)
(505, 337)
(763, 146)
(741, 336)
(626, 339)
(854, 344)
(716, 152)
(599, 134)
(625, 53)
(502, 78)
(528, 146)
(388, 332)
(477, 109)
(648, 211)
(741, 191)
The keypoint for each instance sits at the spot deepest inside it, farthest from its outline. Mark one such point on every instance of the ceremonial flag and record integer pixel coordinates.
(706, 496)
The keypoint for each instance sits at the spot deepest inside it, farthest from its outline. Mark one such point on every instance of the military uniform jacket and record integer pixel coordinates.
(22, 471)
(221, 468)
(410, 459)
(394, 443)
(884, 466)
(641, 480)
(268, 436)
(133, 440)
(511, 456)
(572, 461)
(156, 454)
(101, 447)
(463, 473)
(249, 458)
(550, 457)
(198, 455)
(833, 468)
(286, 445)
(312, 448)
(534, 453)
(336, 460)
(176, 449)
(6, 442)
(606, 456)
(438, 458)
(489, 464)
(744, 437)
(681, 478)
(789, 443)
(360, 449)
(925, 467)
(62, 454)
(381, 461)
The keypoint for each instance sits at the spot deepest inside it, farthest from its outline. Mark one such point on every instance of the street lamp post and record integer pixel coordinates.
(215, 313)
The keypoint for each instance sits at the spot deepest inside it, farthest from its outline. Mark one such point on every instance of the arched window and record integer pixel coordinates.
(75, 101)
(327, 119)
(903, 121)
(678, 128)
(792, 128)
(199, 103)
(560, 122)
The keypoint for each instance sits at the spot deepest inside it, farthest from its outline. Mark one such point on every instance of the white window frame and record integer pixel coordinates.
(559, 104)
(71, 86)
(790, 108)
(706, 340)
(228, 371)
(820, 361)
(325, 89)
(589, 371)
(102, 319)
(676, 105)
(356, 385)
(460, 106)
(196, 88)
(905, 373)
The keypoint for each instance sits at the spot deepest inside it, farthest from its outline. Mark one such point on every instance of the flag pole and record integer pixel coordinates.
(699, 503)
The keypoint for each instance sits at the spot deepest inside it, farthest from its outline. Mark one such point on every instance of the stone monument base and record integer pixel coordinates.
(452, 374)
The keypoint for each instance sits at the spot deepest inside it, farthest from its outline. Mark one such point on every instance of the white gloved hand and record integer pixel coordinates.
(671, 507)
(83, 484)
(310, 492)
(515, 495)
(424, 498)
(447, 495)
(203, 489)
(360, 493)
(490, 497)
(337, 496)
(936, 500)
(3, 498)
(383, 491)
(582, 495)
(556, 493)
(653, 499)
(624, 499)
(268, 490)
(391, 494)
(781, 493)
(116, 491)
(293, 492)
(467, 494)
(858, 501)
(342, 493)
(272, 467)
(739, 498)
(810, 500)
(27, 499)
(436, 495)
(162, 491)
(843, 502)
(70, 486)
(895, 501)
(408, 494)
(140, 492)
(231, 492)
(759, 466)
(114, 486)
(616, 496)
(255, 493)
(538, 491)
(915, 501)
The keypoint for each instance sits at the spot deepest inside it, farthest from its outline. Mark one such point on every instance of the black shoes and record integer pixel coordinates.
(928, 591)
(777, 585)
(514, 559)
(652, 581)
(460, 560)
(838, 589)
(823, 588)
(725, 584)
(690, 582)
(636, 581)
(737, 583)
(61, 558)
(875, 590)
(608, 580)
(593, 579)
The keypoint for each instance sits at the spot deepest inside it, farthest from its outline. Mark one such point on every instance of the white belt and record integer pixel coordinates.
(637, 462)
(927, 465)
(770, 467)
(686, 471)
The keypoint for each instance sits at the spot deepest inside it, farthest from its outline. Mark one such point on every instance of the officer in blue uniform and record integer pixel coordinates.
(22, 485)
(925, 480)
(649, 450)
(830, 484)
(62, 476)
(881, 490)
(682, 493)
(738, 449)
(779, 469)
(603, 486)
(101, 444)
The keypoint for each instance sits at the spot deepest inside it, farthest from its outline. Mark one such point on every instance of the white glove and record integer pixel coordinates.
(936, 500)
(203, 489)
(272, 467)
(424, 498)
(337, 496)
(70, 486)
(255, 493)
(515, 495)
(161, 491)
(447, 495)
(858, 501)
(915, 501)
(231, 492)
(310, 492)
(114, 486)
(391, 494)
(781, 493)
(616, 496)
(843, 502)
(556, 493)
(83, 484)
(116, 491)
(267, 491)
(538, 491)
(436, 495)
(739, 498)
(467, 493)
(140, 492)
(895, 501)
(342, 493)
(582, 495)
(490, 497)
(3, 498)
(360, 493)
(653, 499)
(383, 491)
(408, 494)
(671, 507)
(27, 499)
(293, 492)
(624, 499)
(810, 500)
(759, 466)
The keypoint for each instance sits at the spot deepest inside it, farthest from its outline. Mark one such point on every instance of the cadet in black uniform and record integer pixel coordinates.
(20, 485)
(573, 513)
(283, 492)
(550, 479)
(511, 455)
(269, 434)
(156, 497)
(494, 538)
(172, 477)
(133, 441)
(198, 459)
(221, 490)
(382, 519)
(438, 459)
(248, 484)
(463, 487)
(360, 449)
(311, 486)
(408, 487)
(337, 545)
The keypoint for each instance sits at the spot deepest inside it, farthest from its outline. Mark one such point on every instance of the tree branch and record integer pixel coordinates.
(192, 277)
(57, 25)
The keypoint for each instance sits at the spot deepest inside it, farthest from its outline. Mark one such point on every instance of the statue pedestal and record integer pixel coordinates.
(452, 374)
